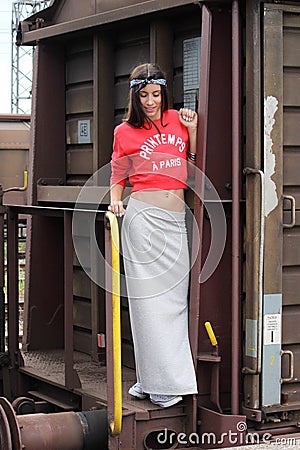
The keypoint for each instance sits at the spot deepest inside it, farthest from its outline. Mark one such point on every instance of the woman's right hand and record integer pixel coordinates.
(117, 208)
(188, 118)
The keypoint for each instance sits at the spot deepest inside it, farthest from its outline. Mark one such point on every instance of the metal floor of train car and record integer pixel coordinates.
(49, 366)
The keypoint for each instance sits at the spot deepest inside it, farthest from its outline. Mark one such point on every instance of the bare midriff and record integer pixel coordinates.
(171, 199)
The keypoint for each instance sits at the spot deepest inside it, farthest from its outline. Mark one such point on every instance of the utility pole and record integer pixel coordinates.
(22, 57)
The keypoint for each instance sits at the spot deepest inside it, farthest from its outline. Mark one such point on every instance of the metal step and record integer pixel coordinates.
(52, 400)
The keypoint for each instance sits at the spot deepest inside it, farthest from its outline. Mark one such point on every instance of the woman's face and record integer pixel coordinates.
(150, 98)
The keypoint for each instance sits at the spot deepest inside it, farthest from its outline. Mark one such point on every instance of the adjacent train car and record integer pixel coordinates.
(14, 149)
(237, 63)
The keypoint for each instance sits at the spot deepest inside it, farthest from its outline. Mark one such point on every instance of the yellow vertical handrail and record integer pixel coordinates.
(116, 424)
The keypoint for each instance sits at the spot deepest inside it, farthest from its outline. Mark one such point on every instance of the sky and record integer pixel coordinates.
(5, 55)
(24, 59)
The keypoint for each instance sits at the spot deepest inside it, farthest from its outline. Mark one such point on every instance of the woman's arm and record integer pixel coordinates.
(116, 203)
(193, 141)
(189, 119)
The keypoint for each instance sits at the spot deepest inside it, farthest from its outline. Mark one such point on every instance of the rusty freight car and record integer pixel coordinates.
(238, 63)
(14, 147)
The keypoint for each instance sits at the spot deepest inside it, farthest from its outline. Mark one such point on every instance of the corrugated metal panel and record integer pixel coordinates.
(291, 181)
(79, 107)
(131, 48)
(282, 218)
(291, 286)
(80, 161)
(291, 46)
(79, 67)
(291, 86)
(82, 341)
(290, 327)
(81, 284)
(291, 165)
(291, 130)
(79, 99)
(82, 314)
(291, 248)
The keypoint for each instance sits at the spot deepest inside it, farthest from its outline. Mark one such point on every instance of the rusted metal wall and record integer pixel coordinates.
(291, 187)
(272, 371)
(79, 106)
(282, 141)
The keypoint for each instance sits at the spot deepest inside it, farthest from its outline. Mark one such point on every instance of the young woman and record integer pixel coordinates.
(152, 146)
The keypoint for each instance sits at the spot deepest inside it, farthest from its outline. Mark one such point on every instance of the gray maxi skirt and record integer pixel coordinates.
(156, 263)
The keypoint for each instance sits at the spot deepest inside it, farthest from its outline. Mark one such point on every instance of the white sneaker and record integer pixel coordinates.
(165, 400)
(137, 391)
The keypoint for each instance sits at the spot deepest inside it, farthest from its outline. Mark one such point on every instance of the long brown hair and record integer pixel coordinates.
(136, 116)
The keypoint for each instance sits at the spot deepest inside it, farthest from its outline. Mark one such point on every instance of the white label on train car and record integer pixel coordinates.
(84, 131)
(272, 329)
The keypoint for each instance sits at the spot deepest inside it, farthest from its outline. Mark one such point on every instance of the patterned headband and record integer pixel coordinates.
(145, 81)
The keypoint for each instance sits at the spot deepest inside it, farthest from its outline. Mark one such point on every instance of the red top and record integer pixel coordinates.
(152, 160)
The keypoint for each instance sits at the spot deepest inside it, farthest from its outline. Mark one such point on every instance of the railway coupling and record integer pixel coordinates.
(62, 430)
